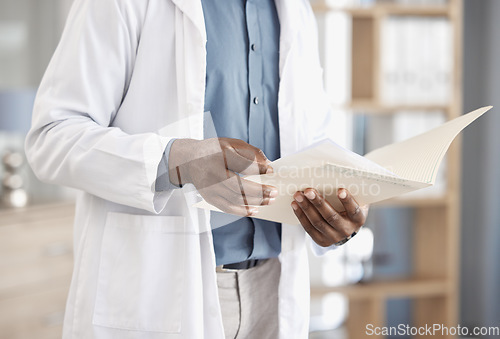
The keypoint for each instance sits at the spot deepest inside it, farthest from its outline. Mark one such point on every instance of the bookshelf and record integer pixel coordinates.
(433, 285)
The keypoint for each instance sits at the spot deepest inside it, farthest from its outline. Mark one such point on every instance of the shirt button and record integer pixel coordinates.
(254, 47)
(256, 100)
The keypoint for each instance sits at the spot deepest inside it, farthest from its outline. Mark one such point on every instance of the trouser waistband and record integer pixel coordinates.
(244, 265)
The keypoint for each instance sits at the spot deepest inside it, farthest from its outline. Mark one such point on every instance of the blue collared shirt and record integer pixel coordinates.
(241, 95)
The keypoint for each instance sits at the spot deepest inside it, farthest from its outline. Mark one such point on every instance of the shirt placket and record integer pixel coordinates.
(256, 104)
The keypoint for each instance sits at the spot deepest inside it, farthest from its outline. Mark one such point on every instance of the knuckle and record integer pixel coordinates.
(356, 212)
(333, 218)
(305, 206)
(318, 202)
(346, 232)
(358, 217)
(320, 225)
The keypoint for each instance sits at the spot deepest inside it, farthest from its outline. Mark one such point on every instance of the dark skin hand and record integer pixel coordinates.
(213, 167)
(322, 222)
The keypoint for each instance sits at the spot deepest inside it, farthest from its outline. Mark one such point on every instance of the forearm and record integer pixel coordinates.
(102, 161)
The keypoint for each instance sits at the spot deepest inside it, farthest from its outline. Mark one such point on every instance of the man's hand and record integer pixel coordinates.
(324, 224)
(213, 167)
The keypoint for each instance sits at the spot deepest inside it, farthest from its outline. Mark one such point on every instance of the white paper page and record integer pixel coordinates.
(327, 167)
(322, 153)
(418, 158)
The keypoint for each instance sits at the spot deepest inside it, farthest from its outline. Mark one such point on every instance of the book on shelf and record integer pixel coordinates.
(416, 60)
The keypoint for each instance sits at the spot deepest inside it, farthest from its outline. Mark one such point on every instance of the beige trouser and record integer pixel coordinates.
(249, 301)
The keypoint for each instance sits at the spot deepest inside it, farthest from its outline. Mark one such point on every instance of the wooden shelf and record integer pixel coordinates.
(386, 9)
(387, 289)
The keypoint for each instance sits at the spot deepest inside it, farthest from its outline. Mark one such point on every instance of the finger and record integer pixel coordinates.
(316, 219)
(332, 217)
(316, 235)
(352, 208)
(244, 158)
(259, 195)
(241, 192)
(254, 193)
(256, 154)
(229, 207)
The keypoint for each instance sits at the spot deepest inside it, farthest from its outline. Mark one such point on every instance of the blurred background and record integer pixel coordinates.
(392, 69)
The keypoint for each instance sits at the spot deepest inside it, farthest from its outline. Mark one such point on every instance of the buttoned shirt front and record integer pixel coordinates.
(241, 99)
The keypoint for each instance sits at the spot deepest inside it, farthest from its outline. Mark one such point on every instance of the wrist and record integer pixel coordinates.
(182, 153)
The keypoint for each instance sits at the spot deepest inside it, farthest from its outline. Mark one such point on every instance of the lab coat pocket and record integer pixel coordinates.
(141, 273)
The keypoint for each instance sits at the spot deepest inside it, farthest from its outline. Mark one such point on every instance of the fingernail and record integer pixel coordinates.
(271, 200)
(295, 206)
(253, 211)
(273, 193)
(299, 198)
(343, 194)
(269, 170)
(310, 195)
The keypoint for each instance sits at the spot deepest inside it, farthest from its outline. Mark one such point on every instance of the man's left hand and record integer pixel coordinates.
(325, 225)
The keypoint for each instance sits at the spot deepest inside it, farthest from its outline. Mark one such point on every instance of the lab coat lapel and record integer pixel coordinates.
(190, 41)
(294, 302)
(288, 11)
(194, 11)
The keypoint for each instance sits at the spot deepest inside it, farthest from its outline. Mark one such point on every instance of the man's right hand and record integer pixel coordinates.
(213, 167)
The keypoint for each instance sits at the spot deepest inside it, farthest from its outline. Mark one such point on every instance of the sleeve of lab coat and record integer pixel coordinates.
(71, 142)
(318, 250)
(163, 176)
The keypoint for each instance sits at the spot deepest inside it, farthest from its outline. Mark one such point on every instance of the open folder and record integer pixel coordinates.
(384, 173)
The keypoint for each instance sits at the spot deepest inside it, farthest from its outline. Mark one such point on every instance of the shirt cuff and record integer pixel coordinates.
(163, 178)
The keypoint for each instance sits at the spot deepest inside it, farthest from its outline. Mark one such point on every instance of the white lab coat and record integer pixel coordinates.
(128, 76)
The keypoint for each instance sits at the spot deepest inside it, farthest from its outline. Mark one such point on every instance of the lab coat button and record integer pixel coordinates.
(254, 47)
(256, 100)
